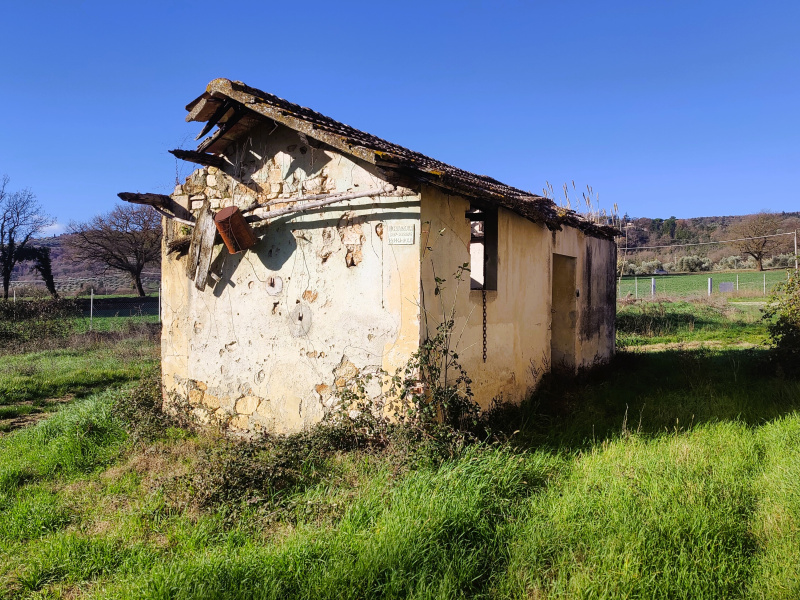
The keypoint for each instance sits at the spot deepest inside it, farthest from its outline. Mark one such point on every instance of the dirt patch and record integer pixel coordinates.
(26, 420)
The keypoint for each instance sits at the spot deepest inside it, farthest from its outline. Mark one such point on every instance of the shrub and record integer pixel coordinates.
(26, 320)
(781, 261)
(693, 264)
(730, 262)
(783, 315)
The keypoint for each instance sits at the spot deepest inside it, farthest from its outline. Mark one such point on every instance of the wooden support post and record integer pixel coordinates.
(710, 285)
(652, 287)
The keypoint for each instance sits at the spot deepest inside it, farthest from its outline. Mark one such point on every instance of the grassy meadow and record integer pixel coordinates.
(673, 472)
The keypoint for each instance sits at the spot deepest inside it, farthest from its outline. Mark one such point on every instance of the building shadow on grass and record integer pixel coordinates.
(651, 394)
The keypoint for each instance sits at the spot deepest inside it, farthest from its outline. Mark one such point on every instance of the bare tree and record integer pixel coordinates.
(755, 227)
(126, 239)
(21, 218)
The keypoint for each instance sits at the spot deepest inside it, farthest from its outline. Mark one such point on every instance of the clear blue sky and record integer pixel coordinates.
(685, 108)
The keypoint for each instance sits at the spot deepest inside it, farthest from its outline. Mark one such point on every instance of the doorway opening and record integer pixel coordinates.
(563, 324)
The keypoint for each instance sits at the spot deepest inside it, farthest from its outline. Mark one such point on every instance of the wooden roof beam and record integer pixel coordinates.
(200, 158)
(159, 202)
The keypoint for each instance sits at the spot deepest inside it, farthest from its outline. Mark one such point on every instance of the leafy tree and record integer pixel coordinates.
(751, 231)
(669, 226)
(21, 218)
(655, 225)
(42, 264)
(126, 239)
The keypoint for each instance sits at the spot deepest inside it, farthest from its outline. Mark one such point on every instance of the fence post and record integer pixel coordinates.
(91, 309)
(15, 295)
(636, 287)
(652, 287)
(710, 285)
(765, 284)
(737, 282)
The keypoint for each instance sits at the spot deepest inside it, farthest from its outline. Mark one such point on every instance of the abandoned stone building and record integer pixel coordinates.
(303, 252)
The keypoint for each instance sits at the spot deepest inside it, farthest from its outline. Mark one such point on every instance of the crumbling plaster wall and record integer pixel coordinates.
(518, 313)
(321, 297)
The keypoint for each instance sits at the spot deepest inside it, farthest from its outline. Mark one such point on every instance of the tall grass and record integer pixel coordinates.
(74, 440)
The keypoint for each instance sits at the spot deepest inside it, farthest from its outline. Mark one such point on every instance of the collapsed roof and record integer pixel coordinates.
(237, 108)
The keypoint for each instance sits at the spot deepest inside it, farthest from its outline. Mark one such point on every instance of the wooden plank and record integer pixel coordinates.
(203, 109)
(223, 137)
(204, 220)
(208, 231)
(214, 118)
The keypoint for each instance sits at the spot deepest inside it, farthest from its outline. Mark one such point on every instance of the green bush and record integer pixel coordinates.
(783, 316)
(26, 320)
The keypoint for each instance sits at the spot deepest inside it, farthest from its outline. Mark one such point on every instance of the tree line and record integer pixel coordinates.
(670, 240)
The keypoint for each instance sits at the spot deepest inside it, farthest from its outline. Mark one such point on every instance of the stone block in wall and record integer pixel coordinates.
(247, 405)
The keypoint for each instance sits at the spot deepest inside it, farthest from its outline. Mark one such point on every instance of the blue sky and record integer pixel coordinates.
(665, 108)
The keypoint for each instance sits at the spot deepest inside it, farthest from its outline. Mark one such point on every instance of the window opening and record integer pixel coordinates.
(483, 248)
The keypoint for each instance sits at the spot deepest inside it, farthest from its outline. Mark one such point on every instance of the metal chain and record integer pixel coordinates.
(484, 325)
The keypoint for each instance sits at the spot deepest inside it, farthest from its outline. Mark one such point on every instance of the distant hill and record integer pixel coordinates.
(72, 278)
(641, 232)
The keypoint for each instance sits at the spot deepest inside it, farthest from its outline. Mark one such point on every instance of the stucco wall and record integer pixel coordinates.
(320, 297)
(518, 314)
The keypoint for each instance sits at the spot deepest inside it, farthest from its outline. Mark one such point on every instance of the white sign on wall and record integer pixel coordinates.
(401, 234)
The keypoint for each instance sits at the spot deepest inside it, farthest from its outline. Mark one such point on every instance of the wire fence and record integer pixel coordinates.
(44, 322)
(110, 312)
(753, 284)
(117, 284)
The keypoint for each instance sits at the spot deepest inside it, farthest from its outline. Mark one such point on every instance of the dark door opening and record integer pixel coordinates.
(563, 324)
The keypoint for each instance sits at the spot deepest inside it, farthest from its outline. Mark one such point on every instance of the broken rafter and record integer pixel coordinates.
(161, 203)
(215, 117)
(161, 211)
(200, 158)
(149, 199)
(239, 111)
(202, 109)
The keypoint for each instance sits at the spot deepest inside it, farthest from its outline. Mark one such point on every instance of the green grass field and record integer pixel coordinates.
(669, 474)
(751, 283)
(665, 322)
(36, 383)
